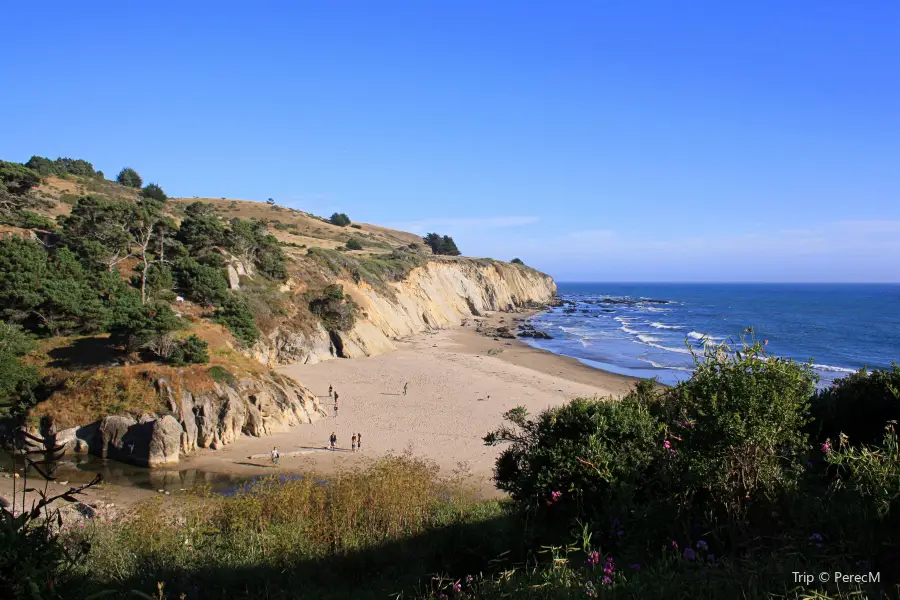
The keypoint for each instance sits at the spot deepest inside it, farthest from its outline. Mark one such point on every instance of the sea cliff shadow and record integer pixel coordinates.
(405, 567)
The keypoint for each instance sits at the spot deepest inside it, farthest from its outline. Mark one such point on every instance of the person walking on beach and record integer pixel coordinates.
(405, 385)
(330, 389)
(353, 443)
(274, 455)
(335, 404)
(359, 441)
(333, 440)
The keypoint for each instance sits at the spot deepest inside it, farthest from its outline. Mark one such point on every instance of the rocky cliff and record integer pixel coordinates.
(437, 295)
(255, 406)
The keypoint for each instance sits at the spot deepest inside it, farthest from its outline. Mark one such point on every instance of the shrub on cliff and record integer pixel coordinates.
(134, 325)
(859, 406)
(192, 350)
(517, 261)
(129, 178)
(235, 314)
(339, 219)
(354, 244)
(441, 244)
(336, 311)
(62, 167)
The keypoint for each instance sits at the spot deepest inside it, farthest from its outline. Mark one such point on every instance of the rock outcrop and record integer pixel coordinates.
(437, 295)
(254, 406)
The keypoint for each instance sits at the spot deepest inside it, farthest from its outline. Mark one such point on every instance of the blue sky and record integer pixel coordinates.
(626, 141)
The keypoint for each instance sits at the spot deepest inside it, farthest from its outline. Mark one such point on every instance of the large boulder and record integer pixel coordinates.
(112, 435)
(165, 441)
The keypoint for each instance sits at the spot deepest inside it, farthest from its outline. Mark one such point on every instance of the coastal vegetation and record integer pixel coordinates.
(441, 244)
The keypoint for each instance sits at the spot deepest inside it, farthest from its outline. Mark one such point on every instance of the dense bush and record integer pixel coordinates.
(859, 406)
(97, 230)
(517, 261)
(62, 167)
(134, 325)
(154, 192)
(17, 379)
(192, 350)
(354, 244)
(339, 219)
(235, 314)
(129, 178)
(200, 230)
(441, 244)
(201, 283)
(336, 311)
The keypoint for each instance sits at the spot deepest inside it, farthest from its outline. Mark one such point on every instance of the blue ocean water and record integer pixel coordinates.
(645, 330)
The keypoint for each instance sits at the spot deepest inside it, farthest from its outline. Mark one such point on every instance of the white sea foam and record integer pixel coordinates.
(659, 325)
(696, 335)
(670, 367)
(627, 330)
(666, 348)
(833, 369)
(647, 338)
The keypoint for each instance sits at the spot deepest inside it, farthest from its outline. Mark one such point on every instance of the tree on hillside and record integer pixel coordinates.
(151, 231)
(135, 325)
(270, 202)
(339, 219)
(235, 314)
(154, 192)
(517, 261)
(200, 230)
(201, 283)
(16, 185)
(49, 294)
(99, 231)
(130, 178)
(62, 167)
(250, 242)
(17, 380)
(354, 244)
(441, 244)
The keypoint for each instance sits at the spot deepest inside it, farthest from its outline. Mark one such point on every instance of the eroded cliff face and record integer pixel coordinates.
(437, 295)
(255, 406)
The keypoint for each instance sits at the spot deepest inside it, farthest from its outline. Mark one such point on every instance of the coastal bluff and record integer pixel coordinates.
(437, 295)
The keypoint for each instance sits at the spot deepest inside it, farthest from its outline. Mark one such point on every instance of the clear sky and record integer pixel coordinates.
(598, 141)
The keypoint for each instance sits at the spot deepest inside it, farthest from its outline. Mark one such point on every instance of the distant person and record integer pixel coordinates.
(405, 385)
(333, 440)
(353, 443)
(359, 441)
(335, 409)
(330, 389)
(274, 455)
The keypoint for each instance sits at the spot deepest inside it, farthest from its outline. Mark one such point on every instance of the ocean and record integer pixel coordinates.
(648, 330)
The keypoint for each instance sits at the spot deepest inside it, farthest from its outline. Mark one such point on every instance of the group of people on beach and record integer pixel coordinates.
(355, 441)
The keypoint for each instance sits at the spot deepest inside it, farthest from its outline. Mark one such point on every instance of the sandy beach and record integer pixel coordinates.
(457, 393)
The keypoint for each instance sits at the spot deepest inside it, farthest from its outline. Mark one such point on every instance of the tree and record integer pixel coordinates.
(354, 244)
(339, 219)
(135, 325)
(129, 178)
(199, 282)
(99, 231)
(62, 167)
(16, 185)
(200, 230)
(441, 244)
(250, 242)
(235, 314)
(192, 350)
(17, 380)
(49, 294)
(154, 192)
(271, 260)
(517, 261)
(270, 202)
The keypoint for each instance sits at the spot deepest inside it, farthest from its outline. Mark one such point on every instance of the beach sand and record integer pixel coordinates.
(457, 393)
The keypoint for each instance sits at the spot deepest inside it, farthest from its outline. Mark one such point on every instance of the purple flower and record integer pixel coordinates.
(593, 558)
(711, 557)
(674, 545)
(826, 447)
(620, 533)
(607, 581)
(635, 567)
(816, 537)
(667, 444)
(457, 587)
(469, 579)
(701, 545)
(689, 554)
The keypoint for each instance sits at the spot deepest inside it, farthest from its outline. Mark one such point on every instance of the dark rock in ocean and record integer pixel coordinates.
(630, 301)
(538, 335)
(569, 311)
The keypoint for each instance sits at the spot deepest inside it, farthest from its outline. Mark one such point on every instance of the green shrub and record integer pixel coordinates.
(29, 220)
(16, 179)
(517, 261)
(235, 314)
(355, 226)
(69, 199)
(192, 350)
(154, 192)
(201, 283)
(17, 379)
(339, 219)
(354, 244)
(222, 375)
(62, 167)
(129, 178)
(859, 406)
(336, 311)
(134, 325)
(441, 244)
